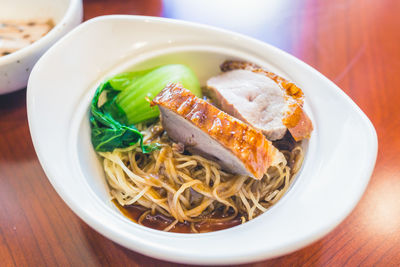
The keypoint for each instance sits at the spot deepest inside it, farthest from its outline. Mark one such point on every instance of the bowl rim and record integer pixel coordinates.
(53, 34)
(257, 254)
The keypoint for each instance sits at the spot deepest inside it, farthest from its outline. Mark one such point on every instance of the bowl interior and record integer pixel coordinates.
(26, 9)
(203, 61)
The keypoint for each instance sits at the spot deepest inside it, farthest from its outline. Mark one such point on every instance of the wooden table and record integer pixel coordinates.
(354, 43)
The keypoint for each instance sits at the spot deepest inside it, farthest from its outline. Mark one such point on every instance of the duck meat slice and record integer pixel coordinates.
(214, 134)
(261, 99)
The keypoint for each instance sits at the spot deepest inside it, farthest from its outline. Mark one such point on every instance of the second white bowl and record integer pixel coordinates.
(16, 67)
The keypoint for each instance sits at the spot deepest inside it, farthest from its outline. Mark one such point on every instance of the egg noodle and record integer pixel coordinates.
(190, 187)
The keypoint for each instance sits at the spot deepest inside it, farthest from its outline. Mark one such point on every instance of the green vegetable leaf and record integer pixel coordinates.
(108, 133)
(147, 84)
(122, 101)
(123, 80)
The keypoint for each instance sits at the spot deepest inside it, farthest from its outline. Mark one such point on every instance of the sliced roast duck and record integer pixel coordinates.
(205, 130)
(261, 99)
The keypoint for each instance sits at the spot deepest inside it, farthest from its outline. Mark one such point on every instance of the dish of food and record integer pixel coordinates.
(15, 35)
(316, 201)
(27, 30)
(194, 168)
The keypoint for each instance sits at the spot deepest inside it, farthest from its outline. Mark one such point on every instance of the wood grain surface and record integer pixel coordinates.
(354, 43)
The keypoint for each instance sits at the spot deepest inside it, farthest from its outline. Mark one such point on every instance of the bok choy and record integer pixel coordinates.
(122, 101)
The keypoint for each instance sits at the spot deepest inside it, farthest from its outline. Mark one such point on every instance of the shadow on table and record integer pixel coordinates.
(12, 109)
(15, 139)
(103, 251)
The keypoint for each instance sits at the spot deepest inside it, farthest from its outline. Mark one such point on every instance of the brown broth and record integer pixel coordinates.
(15, 35)
(160, 222)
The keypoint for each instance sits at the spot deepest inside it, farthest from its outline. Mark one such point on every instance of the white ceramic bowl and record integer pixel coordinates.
(16, 67)
(339, 161)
